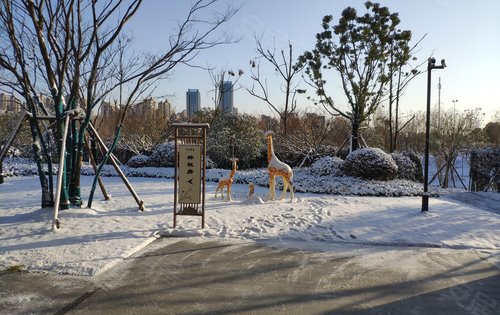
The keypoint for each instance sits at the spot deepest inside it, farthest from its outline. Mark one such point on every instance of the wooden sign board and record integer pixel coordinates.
(189, 174)
(190, 170)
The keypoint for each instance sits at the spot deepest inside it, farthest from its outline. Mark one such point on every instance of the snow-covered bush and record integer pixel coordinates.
(415, 158)
(303, 180)
(141, 160)
(13, 152)
(234, 135)
(19, 166)
(484, 168)
(210, 164)
(370, 163)
(163, 155)
(406, 167)
(327, 166)
(138, 160)
(23, 151)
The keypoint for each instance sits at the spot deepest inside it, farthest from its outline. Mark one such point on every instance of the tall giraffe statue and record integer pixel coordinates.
(227, 181)
(277, 168)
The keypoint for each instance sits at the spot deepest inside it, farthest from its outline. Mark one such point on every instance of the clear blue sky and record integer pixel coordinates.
(465, 33)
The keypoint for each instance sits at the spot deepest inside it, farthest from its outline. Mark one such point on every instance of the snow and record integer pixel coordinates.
(91, 241)
(277, 164)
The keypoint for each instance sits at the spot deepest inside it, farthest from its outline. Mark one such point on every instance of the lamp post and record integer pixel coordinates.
(431, 64)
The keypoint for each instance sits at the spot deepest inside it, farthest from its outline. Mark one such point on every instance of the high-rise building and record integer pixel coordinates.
(109, 111)
(226, 101)
(146, 109)
(9, 103)
(164, 110)
(192, 102)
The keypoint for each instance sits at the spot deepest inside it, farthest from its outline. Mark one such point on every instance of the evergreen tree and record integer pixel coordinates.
(365, 50)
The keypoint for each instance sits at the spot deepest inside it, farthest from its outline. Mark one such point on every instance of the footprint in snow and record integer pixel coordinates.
(222, 231)
(249, 220)
(268, 223)
(254, 229)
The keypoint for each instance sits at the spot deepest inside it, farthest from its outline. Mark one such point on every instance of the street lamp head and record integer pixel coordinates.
(432, 64)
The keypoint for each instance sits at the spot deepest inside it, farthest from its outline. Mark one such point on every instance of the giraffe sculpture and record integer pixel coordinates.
(227, 181)
(277, 168)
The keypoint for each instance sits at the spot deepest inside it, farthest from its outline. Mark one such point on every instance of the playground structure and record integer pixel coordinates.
(69, 117)
(277, 168)
(227, 181)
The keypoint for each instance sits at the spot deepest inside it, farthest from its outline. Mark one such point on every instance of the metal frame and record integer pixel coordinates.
(190, 133)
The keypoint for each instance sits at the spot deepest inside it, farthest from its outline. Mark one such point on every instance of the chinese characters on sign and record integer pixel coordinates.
(189, 174)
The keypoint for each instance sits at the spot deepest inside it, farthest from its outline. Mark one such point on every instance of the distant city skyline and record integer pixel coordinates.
(464, 33)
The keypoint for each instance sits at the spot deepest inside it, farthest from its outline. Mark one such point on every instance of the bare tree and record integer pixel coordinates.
(72, 49)
(398, 82)
(310, 139)
(455, 133)
(284, 65)
(217, 78)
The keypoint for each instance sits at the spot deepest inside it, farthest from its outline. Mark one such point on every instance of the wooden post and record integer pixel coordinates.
(363, 140)
(176, 165)
(114, 162)
(204, 167)
(342, 146)
(94, 166)
(62, 158)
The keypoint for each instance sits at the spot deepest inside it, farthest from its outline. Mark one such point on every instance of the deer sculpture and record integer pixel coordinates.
(227, 181)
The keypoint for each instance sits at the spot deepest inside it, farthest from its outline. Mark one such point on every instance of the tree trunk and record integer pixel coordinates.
(285, 123)
(47, 197)
(355, 134)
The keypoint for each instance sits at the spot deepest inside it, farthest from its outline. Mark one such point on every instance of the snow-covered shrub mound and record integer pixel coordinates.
(484, 168)
(327, 166)
(163, 155)
(19, 166)
(415, 158)
(210, 164)
(406, 168)
(139, 160)
(24, 151)
(13, 152)
(370, 163)
(303, 180)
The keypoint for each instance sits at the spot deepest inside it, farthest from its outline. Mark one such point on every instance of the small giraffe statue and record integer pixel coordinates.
(277, 168)
(227, 181)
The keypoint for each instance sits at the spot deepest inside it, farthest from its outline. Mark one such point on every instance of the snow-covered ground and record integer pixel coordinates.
(92, 240)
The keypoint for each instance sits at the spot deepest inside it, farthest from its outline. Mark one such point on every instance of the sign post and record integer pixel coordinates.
(190, 170)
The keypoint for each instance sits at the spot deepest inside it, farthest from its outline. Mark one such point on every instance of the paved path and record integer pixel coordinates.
(181, 276)
(485, 201)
